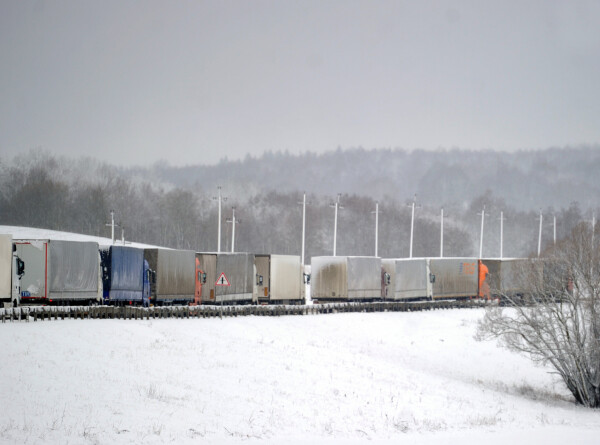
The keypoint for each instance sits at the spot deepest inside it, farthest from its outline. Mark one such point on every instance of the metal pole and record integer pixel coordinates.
(593, 228)
(442, 235)
(335, 227)
(303, 226)
(337, 206)
(412, 226)
(555, 229)
(540, 234)
(481, 233)
(112, 226)
(501, 232)
(219, 231)
(376, 226)
(233, 230)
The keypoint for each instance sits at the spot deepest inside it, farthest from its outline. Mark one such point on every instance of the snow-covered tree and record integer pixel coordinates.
(557, 320)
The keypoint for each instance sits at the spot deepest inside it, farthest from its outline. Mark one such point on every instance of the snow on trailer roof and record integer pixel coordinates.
(31, 233)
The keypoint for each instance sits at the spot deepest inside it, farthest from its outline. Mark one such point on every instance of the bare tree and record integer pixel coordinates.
(556, 320)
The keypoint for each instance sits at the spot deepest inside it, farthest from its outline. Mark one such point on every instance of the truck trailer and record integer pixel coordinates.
(279, 279)
(345, 278)
(173, 275)
(454, 278)
(59, 272)
(11, 271)
(125, 275)
(235, 272)
(406, 279)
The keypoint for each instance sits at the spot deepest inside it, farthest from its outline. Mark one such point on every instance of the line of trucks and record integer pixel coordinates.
(80, 272)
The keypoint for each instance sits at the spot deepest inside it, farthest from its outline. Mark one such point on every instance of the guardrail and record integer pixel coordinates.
(45, 313)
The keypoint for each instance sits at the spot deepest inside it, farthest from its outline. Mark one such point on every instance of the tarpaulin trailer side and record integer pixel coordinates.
(454, 277)
(516, 277)
(287, 280)
(279, 278)
(59, 271)
(74, 267)
(124, 274)
(238, 267)
(174, 273)
(410, 278)
(345, 278)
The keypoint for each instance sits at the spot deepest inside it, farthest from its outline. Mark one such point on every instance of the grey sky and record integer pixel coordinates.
(194, 81)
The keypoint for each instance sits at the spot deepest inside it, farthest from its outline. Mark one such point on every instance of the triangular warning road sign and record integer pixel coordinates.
(222, 281)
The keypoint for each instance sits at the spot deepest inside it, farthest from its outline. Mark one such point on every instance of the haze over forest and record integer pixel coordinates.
(174, 206)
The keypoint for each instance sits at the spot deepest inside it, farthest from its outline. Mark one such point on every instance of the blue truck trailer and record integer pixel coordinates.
(125, 276)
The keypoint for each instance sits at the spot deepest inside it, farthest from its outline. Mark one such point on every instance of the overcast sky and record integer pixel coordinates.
(134, 82)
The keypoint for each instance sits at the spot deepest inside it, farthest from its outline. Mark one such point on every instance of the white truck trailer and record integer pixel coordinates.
(345, 278)
(11, 270)
(407, 279)
(279, 279)
(59, 272)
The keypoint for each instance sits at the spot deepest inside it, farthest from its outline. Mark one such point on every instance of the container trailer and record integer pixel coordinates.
(59, 272)
(406, 279)
(454, 277)
(126, 275)
(11, 271)
(237, 284)
(279, 279)
(173, 275)
(343, 278)
(239, 269)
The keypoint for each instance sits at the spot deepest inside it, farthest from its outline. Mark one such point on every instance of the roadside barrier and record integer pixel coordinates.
(46, 313)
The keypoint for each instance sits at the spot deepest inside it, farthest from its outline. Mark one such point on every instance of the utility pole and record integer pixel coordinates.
(501, 232)
(376, 227)
(337, 206)
(555, 230)
(112, 226)
(481, 233)
(303, 226)
(540, 234)
(220, 199)
(233, 222)
(593, 228)
(442, 234)
(412, 224)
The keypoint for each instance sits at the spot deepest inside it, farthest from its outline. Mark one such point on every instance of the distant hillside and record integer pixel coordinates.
(525, 179)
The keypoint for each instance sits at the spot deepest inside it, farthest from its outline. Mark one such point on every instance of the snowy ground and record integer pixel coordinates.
(346, 378)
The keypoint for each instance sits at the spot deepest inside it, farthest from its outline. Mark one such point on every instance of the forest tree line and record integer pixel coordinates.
(77, 195)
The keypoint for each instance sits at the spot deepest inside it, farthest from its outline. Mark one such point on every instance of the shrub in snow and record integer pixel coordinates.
(556, 321)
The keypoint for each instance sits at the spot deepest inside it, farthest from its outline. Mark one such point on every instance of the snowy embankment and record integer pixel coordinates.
(18, 232)
(346, 378)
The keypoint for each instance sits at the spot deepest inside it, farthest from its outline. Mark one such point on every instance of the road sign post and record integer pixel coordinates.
(222, 281)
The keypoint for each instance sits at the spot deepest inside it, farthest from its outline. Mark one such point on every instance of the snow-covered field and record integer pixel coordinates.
(345, 378)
